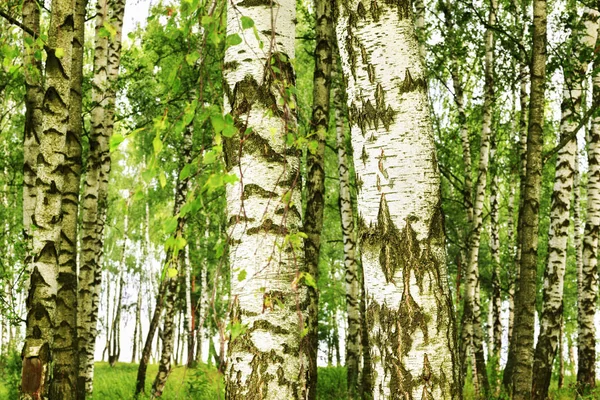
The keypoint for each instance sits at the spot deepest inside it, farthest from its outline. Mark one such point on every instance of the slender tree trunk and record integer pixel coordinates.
(552, 309)
(64, 351)
(588, 282)
(95, 196)
(353, 350)
(472, 333)
(174, 271)
(522, 350)
(561, 359)
(47, 216)
(269, 298)
(315, 179)
(114, 345)
(137, 330)
(203, 308)
(188, 321)
(34, 95)
(496, 298)
(400, 223)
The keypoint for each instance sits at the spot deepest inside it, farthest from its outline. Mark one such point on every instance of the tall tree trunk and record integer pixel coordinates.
(47, 216)
(174, 265)
(554, 274)
(520, 12)
(400, 219)
(95, 196)
(203, 307)
(315, 178)
(353, 350)
(188, 321)
(588, 281)
(496, 298)
(64, 351)
(521, 352)
(472, 333)
(266, 356)
(34, 95)
(114, 345)
(137, 330)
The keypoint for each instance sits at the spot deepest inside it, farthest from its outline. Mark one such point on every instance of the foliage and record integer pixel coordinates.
(10, 374)
(332, 383)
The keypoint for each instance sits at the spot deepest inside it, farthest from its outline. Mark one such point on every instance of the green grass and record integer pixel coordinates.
(184, 383)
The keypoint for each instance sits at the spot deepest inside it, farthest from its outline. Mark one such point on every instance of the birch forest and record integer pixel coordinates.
(299, 199)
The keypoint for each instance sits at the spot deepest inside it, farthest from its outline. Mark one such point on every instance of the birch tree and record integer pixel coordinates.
(582, 42)
(521, 350)
(47, 221)
(409, 310)
(266, 358)
(588, 278)
(315, 179)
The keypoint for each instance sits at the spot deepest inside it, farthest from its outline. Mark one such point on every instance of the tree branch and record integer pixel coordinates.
(20, 25)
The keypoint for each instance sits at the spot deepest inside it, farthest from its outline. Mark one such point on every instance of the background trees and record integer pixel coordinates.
(214, 129)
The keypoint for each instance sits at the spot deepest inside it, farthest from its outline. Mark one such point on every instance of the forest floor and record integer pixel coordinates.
(206, 383)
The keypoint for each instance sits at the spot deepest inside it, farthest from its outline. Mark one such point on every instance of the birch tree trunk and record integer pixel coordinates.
(409, 309)
(95, 191)
(171, 280)
(188, 321)
(554, 275)
(268, 354)
(34, 95)
(588, 282)
(64, 351)
(315, 177)
(203, 307)
(496, 298)
(521, 352)
(353, 344)
(47, 221)
(472, 333)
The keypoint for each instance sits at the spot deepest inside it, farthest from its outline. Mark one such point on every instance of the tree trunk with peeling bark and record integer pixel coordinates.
(588, 278)
(64, 351)
(495, 336)
(268, 355)
(34, 95)
(315, 177)
(582, 42)
(400, 220)
(521, 350)
(353, 343)
(95, 189)
(47, 221)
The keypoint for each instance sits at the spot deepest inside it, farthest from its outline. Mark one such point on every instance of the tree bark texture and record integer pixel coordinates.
(266, 356)
(588, 283)
(47, 221)
(409, 309)
(315, 178)
(560, 209)
(353, 343)
(521, 351)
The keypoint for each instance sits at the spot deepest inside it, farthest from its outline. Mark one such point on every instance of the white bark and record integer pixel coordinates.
(409, 307)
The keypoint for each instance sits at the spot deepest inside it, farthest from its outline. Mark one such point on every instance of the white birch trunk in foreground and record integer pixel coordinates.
(409, 309)
(266, 356)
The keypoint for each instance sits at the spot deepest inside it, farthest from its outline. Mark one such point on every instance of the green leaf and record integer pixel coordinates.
(247, 22)
(229, 130)
(218, 122)
(236, 329)
(192, 57)
(233, 40)
(310, 280)
(242, 275)
(304, 332)
(170, 225)
(157, 144)
(186, 172)
(171, 272)
(59, 52)
(115, 140)
(206, 20)
(162, 179)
